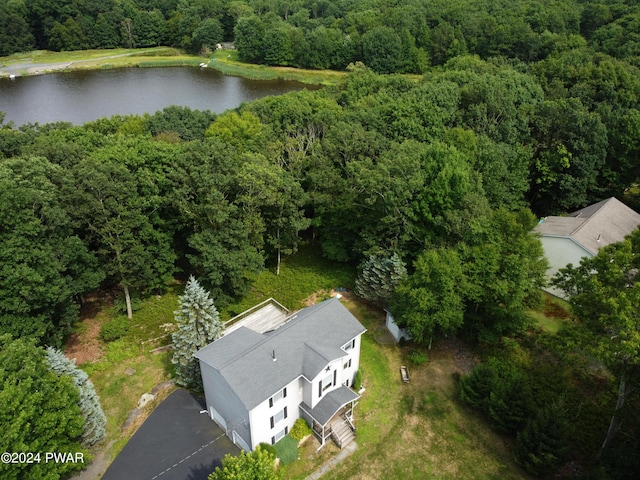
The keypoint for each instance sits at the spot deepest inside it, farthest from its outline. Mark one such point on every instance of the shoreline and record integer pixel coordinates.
(223, 61)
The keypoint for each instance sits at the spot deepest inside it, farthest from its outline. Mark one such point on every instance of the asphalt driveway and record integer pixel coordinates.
(176, 442)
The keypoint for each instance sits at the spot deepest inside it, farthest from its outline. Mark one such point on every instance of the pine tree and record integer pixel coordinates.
(542, 443)
(94, 417)
(198, 325)
(379, 276)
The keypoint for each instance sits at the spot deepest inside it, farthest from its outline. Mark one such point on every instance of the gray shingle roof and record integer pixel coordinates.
(595, 226)
(330, 404)
(303, 346)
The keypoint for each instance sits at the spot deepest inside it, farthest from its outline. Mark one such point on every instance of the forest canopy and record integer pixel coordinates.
(429, 184)
(404, 37)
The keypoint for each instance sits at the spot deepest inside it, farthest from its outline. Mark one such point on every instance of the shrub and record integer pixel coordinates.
(476, 387)
(510, 403)
(287, 450)
(114, 329)
(300, 429)
(269, 448)
(357, 381)
(418, 357)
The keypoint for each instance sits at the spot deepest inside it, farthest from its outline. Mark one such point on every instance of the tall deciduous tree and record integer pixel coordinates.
(430, 299)
(505, 268)
(198, 325)
(89, 401)
(604, 293)
(44, 266)
(119, 219)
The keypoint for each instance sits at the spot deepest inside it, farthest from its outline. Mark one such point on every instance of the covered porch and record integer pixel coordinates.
(332, 417)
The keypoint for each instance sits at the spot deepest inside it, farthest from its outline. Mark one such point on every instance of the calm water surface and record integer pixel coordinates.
(79, 97)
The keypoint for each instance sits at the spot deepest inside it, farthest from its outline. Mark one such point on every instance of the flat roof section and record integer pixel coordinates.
(264, 317)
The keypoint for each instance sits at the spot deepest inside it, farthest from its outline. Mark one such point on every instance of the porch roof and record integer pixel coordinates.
(330, 404)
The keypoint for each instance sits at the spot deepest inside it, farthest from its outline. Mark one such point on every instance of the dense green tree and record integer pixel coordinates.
(571, 145)
(249, 35)
(14, 29)
(381, 50)
(476, 387)
(430, 299)
(67, 36)
(541, 444)
(118, 220)
(198, 325)
(89, 401)
(207, 34)
(244, 131)
(604, 293)
(39, 412)
(45, 266)
(510, 402)
(223, 248)
(256, 465)
(505, 269)
(188, 124)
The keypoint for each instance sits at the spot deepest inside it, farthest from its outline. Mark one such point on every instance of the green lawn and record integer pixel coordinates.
(553, 314)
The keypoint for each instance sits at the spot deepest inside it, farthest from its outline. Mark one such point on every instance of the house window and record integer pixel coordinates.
(278, 417)
(347, 364)
(327, 382)
(350, 345)
(278, 436)
(277, 397)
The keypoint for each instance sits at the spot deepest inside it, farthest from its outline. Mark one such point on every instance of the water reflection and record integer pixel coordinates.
(79, 97)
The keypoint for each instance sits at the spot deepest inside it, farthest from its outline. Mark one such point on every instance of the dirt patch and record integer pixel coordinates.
(323, 294)
(460, 351)
(85, 345)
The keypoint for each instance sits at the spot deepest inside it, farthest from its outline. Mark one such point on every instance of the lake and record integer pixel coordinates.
(83, 96)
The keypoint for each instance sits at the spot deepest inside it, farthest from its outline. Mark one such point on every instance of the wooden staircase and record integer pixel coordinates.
(342, 433)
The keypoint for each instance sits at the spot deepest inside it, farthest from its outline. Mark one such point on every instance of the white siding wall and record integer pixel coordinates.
(561, 251)
(397, 332)
(260, 416)
(341, 375)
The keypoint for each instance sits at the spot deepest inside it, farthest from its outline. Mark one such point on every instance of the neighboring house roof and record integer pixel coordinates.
(595, 226)
(310, 340)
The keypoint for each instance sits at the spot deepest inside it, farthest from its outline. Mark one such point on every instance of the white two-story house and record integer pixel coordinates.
(258, 384)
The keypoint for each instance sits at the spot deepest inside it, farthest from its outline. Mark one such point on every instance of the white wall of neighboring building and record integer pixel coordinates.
(397, 332)
(560, 252)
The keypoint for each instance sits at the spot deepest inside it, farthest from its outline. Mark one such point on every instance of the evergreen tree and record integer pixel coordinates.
(379, 276)
(541, 444)
(94, 417)
(198, 325)
(476, 387)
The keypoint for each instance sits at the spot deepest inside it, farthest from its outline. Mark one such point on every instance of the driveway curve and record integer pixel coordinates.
(176, 442)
